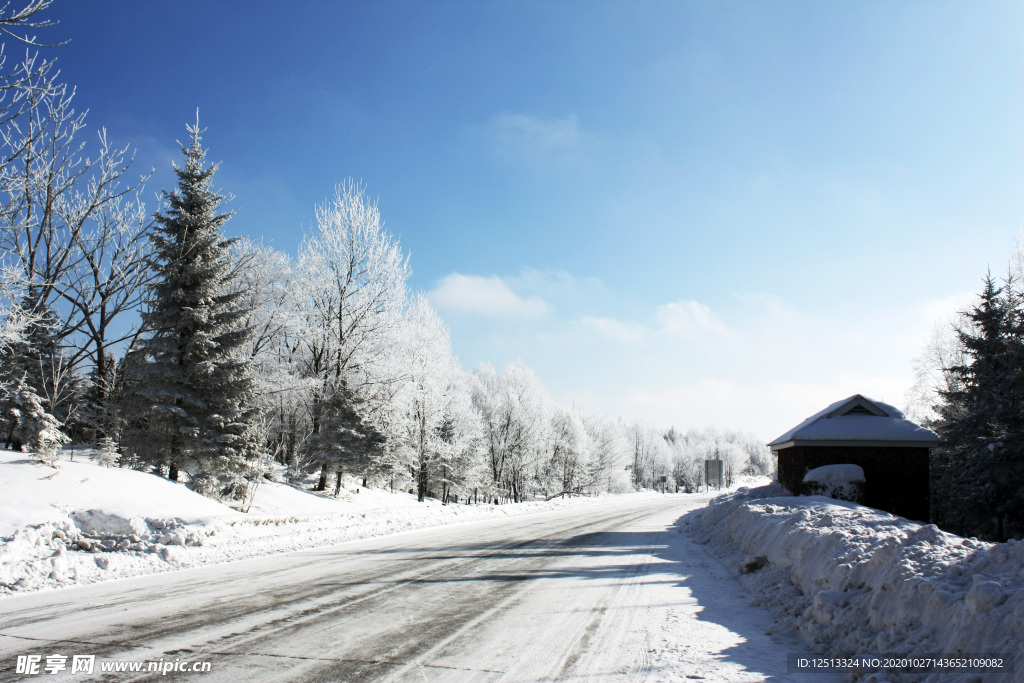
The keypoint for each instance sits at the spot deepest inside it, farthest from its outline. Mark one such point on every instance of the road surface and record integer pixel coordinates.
(608, 591)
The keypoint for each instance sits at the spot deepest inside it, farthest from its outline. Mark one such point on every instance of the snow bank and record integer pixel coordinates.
(853, 580)
(33, 493)
(83, 523)
(60, 553)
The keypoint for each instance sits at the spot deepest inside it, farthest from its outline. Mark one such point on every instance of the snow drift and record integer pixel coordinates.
(853, 580)
(83, 523)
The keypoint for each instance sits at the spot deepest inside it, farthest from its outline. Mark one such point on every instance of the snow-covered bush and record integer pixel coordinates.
(36, 430)
(106, 452)
(842, 482)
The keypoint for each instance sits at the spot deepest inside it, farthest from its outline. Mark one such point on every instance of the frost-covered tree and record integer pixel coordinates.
(272, 295)
(106, 452)
(428, 435)
(514, 410)
(194, 374)
(650, 455)
(569, 469)
(461, 469)
(64, 233)
(609, 454)
(932, 370)
(354, 279)
(35, 429)
(351, 279)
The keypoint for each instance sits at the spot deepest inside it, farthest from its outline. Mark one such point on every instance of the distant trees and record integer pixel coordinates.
(569, 461)
(514, 410)
(740, 453)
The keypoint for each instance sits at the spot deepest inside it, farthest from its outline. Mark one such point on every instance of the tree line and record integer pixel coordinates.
(209, 360)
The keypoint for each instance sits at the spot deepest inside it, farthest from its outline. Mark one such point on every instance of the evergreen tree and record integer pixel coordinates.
(194, 378)
(967, 416)
(100, 417)
(36, 430)
(345, 441)
(978, 472)
(34, 357)
(30, 362)
(106, 452)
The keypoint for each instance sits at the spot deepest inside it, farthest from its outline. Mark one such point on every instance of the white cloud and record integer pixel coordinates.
(688, 319)
(490, 296)
(628, 332)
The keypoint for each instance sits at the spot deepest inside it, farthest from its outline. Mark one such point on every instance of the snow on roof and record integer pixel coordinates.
(857, 421)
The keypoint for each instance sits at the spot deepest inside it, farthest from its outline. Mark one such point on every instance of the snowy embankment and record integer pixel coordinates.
(83, 523)
(853, 580)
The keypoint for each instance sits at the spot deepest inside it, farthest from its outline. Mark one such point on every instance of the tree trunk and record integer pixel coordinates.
(322, 484)
(422, 479)
(172, 472)
(421, 484)
(337, 484)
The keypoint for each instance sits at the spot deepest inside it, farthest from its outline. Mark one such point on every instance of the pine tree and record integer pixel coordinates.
(966, 417)
(194, 378)
(36, 430)
(106, 452)
(978, 470)
(345, 441)
(100, 417)
(29, 362)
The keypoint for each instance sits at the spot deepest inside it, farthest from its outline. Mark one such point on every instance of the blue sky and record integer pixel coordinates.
(696, 213)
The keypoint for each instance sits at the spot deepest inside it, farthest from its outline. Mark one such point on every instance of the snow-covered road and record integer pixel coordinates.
(595, 592)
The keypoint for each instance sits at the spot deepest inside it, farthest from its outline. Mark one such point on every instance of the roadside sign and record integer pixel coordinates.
(713, 473)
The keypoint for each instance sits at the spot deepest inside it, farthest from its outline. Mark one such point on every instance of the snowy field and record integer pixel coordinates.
(852, 580)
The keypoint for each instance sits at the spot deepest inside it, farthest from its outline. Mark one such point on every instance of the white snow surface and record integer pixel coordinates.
(33, 493)
(82, 523)
(832, 424)
(854, 580)
(835, 474)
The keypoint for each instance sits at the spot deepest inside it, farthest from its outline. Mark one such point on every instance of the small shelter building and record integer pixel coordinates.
(892, 451)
